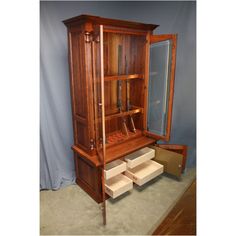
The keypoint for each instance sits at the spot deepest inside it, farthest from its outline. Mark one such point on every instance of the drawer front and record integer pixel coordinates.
(136, 158)
(114, 168)
(144, 172)
(118, 185)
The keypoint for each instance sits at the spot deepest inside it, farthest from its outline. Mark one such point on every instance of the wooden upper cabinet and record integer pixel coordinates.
(122, 85)
(162, 61)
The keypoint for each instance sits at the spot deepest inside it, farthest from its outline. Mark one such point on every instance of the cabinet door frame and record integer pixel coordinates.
(156, 39)
(99, 102)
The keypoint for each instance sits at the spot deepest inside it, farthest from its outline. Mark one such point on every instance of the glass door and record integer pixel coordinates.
(99, 105)
(98, 89)
(161, 85)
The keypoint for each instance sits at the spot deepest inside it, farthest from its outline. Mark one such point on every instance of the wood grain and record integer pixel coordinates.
(87, 65)
(107, 21)
(182, 219)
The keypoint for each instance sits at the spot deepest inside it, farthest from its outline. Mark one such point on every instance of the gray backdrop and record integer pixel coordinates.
(56, 134)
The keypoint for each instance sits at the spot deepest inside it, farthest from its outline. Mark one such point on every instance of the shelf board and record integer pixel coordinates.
(127, 147)
(117, 151)
(134, 110)
(123, 77)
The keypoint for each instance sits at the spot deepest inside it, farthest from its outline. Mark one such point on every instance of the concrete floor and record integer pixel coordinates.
(70, 211)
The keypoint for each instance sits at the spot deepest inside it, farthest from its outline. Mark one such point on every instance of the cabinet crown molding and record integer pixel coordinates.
(81, 19)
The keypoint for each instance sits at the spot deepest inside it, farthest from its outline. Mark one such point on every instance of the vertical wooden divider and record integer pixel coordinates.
(103, 127)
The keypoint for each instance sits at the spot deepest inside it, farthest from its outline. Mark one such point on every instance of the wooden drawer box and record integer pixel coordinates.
(144, 172)
(114, 168)
(136, 158)
(118, 185)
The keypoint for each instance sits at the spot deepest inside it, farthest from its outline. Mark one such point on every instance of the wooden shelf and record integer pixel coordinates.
(134, 110)
(120, 150)
(116, 151)
(123, 77)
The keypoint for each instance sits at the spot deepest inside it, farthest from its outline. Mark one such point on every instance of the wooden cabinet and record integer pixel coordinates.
(122, 87)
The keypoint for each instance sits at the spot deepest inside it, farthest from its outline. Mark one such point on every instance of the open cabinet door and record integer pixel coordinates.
(161, 85)
(99, 105)
(172, 156)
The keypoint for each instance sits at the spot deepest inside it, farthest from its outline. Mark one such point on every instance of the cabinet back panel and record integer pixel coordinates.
(137, 92)
(132, 62)
(133, 48)
(82, 86)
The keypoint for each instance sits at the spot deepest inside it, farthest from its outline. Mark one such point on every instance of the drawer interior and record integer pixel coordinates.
(118, 185)
(114, 168)
(145, 172)
(136, 158)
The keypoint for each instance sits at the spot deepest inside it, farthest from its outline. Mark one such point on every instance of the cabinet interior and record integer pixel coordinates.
(124, 69)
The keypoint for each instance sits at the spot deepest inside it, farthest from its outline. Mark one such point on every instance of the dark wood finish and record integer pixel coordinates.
(103, 156)
(123, 77)
(125, 113)
(182, 218)
(93, 159)
(122, 149)
(116, 151)
(81, 72)
(88, 177)
(106, 21)
(91, 55)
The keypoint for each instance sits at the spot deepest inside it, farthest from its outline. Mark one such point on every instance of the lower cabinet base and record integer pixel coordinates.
(96, 197)
(88, 177)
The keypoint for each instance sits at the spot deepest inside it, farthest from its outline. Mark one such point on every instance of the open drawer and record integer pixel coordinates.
(142, 155)
(144, 172)
(114, 168)
(118, 185)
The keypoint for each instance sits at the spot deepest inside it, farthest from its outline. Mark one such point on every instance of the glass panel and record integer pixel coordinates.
(159, 83)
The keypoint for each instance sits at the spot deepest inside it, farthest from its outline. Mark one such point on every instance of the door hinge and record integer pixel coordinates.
(87, 37)
(92, 144)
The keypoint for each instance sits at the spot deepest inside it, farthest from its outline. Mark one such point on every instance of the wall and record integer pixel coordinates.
(56, 157)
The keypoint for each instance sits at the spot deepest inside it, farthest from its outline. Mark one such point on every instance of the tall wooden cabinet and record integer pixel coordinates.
(122, 87)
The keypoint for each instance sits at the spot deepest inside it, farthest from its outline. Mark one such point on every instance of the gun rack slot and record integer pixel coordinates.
(123, 77)
(134, 110)
(119, 137)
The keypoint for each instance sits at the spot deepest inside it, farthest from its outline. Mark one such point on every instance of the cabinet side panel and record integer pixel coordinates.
(78, 77)
(78, 66)
(88, 177)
